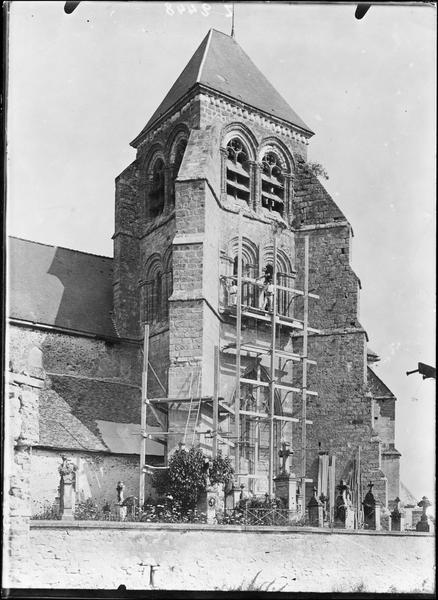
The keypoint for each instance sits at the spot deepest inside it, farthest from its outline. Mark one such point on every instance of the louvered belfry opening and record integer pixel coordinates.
(272, 183)
(237, 171)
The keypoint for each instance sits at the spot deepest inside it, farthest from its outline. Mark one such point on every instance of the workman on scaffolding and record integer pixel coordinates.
(231, 285)
(266, 283)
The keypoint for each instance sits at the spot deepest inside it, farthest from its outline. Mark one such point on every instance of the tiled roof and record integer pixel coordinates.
(220, 64)
(376, 386)
(59, 287)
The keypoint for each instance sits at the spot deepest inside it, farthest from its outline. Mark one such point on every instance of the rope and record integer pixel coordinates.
(190, 407)
(199, 408)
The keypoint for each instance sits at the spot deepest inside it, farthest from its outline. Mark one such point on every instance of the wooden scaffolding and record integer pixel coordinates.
(276, 320)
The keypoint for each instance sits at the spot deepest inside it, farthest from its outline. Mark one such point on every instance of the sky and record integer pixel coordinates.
(82, 86)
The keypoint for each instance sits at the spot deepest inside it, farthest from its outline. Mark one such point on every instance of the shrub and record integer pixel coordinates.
(221, 470)
(87, 510)
(48, 512)
(186, 478)
(316, 169)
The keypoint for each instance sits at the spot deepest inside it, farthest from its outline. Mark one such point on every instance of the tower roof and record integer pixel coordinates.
(220, 64)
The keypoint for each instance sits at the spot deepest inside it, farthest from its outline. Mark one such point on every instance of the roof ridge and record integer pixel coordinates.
(380, 380)
(204, 56)
(16, 237)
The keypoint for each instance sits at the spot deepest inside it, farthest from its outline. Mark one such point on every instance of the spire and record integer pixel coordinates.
(220, 64)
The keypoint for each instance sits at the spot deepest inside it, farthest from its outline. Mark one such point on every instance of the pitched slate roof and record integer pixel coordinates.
(376, 386)
(82, 414)
(220, 64)
(59, 287)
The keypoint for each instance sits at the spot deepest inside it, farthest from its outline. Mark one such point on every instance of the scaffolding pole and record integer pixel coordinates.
(304, 384)
(216, 400)
(272, 374)
(143, 418)
(238, 343)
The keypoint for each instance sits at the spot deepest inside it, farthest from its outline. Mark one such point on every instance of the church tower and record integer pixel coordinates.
(221, 172)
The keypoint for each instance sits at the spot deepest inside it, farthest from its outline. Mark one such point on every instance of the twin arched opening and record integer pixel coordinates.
(162, 167)
(259, 176)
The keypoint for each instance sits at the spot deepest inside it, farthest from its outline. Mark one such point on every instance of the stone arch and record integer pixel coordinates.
(242, 132)
(175, 149)
(250, 267)
(249, 250)
(285, 271)
(275, 145)
(180, 132)
(155, 151)
(284, 263)
(156, 184)
(154, 302)
(167, 279)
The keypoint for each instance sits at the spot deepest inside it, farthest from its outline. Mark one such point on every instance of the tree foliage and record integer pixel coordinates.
(316, 169)
(186, 478)
(221, 470)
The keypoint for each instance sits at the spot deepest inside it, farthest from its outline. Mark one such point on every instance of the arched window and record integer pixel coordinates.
(156, 190)
(249, 290)
(168, 285)
(285, 278)
(237, 171)
(154, 293)
(179, 155)
(272, 183)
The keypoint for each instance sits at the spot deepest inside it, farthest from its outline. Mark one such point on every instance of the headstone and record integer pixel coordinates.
(316, 510)
(285, 484)
(423, 524)
(67, 484)
(344, 513)
(397, 517)
(371, 510)
(121, 509)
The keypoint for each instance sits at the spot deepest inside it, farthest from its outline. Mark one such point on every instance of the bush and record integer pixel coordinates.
(48, 512)
(166, 510)
(88, 510)
(186, 478)
(221, 470)
(316, 169)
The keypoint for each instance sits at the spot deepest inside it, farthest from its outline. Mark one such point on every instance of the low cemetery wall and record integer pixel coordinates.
(105, 555)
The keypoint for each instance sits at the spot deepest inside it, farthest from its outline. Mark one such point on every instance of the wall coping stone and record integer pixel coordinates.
(41, 524)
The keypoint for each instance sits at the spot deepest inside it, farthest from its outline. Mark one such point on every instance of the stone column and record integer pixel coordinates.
(224, 155)
(257, 185)
(288, 197)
